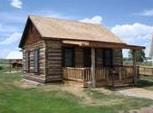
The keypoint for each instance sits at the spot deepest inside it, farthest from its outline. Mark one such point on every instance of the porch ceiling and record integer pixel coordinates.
(101, 44)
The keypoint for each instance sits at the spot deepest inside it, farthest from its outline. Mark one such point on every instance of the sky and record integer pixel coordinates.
(131, 20)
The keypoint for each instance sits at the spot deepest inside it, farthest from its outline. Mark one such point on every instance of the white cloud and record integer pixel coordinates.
(14, 55)
(16, 3)
(11, 39)
(146, 13)
(137, 33)
(129, 32)
(93, 20)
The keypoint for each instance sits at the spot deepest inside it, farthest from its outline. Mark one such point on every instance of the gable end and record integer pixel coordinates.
(30, 34)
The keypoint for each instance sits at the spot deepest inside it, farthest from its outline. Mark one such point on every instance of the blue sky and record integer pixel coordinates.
(131, 20)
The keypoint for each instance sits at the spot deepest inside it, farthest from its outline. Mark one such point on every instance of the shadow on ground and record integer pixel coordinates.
(144, 83)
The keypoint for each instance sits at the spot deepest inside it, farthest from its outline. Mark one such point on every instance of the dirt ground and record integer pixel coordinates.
(139, 93)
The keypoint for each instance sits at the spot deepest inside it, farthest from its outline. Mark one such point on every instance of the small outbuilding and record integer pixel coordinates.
(72, 51)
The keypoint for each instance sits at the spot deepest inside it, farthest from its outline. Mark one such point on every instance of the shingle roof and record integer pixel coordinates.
(69, 29)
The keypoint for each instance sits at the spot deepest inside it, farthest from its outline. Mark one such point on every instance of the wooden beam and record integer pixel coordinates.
(102, 44)
(79, 43)
(93, 67)
(134, 47)
(134, 66)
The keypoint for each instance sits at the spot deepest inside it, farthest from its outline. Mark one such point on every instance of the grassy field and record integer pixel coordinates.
(15, 99)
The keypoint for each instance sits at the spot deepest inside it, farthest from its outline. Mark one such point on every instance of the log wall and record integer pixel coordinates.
(53, 61)
(33, 41)
(31, 74)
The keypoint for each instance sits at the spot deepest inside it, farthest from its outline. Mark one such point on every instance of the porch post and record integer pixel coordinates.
(134, 66)
(93, 67)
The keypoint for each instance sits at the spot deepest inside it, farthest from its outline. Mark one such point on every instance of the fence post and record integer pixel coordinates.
(134, 66)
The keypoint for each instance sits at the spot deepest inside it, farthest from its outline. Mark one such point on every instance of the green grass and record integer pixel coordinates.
(146, 82)
(14, 99)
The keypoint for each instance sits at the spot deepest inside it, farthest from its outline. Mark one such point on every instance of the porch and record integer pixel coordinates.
(104, 76)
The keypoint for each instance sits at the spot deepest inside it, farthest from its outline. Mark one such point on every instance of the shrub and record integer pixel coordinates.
(1, 67)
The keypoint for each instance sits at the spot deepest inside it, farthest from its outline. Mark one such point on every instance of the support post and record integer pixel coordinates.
(134, 66)
(152, 60)
(10, 67)
(93, 67)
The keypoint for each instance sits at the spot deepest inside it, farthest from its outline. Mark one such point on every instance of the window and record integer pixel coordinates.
(36, 60)
(107, 57)
(99, 57)
(27, 61)
(87, 57)
(68, 57)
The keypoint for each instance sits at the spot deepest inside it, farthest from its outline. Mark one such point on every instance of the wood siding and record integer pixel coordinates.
(33, 41)
(31, 48)
(32, 35)
(53, 60)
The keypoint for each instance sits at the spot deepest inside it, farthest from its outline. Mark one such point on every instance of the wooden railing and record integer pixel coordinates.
(145, 70)
(101, 73)
(124, 73)
(76, 74)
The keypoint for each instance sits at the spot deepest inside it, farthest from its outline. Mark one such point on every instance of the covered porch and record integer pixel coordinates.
(104, 76)
(99, 67)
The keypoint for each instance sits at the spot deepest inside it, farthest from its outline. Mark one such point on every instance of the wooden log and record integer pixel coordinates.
(134, 66)
(93, 67)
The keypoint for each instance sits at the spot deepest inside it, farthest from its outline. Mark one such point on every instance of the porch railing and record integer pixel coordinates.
(124, 73)
(76, 74)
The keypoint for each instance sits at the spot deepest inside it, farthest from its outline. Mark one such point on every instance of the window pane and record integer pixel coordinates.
(36, 60)
(69, 57)
(87, 57)
(27, 61)
(99, 57)
(108, 57)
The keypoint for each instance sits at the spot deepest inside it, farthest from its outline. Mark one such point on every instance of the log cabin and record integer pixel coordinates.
(60, 50)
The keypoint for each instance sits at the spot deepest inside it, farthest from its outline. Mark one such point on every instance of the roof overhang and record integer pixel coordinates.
(102, 44)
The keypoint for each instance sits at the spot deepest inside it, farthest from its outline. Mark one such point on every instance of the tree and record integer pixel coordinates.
(140, 55)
